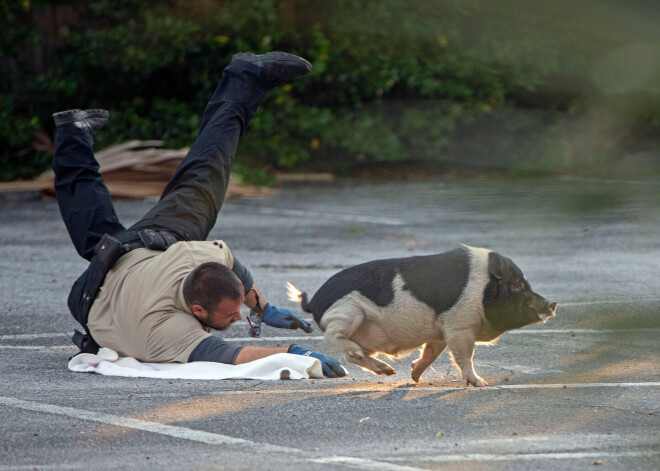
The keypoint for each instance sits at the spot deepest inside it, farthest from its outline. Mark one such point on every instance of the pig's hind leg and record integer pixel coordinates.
(340, 323)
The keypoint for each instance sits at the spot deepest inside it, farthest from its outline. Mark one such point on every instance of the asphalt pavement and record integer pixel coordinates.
(580, 391)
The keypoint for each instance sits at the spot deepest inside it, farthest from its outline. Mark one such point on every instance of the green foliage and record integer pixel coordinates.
(392, 80)
(16, 161)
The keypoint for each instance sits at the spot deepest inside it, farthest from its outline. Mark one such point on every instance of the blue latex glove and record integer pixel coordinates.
(331, 368)
(284, 319)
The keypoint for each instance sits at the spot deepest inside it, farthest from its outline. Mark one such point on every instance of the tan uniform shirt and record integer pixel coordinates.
(140, 310)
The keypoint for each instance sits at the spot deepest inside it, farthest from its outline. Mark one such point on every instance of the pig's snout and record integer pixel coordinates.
(548, 311)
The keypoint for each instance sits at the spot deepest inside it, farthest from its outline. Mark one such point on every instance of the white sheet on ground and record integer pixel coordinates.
(278, 366)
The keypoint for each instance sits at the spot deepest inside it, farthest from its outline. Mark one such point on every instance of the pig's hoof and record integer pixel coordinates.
(415, 372)
(388, 371)
(383, 369)
(478, 382)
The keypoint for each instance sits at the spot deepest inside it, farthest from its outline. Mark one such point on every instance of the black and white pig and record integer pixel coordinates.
(452, 299)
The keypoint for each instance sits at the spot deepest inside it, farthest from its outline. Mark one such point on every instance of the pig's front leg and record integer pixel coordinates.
(461, 345)
(430, 352)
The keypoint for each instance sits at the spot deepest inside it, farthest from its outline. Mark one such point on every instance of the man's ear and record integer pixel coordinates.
(496, 265)
(198, 311)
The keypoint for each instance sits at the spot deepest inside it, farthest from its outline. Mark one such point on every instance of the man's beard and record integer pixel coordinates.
(209, 326)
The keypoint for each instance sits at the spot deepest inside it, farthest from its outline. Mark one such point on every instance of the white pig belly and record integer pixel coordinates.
(398, 328)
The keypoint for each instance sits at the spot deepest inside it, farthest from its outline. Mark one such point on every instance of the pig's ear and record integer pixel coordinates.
(496, 265)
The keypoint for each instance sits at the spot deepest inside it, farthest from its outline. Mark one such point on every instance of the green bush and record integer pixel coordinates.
(392, 80)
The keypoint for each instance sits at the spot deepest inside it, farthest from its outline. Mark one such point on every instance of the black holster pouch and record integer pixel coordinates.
(156, 240)
(85, 342)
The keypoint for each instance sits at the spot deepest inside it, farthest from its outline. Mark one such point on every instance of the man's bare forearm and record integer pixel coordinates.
(248, 354)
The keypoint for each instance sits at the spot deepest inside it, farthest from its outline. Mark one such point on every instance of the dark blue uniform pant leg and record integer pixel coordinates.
(82, 195)
(192, 199)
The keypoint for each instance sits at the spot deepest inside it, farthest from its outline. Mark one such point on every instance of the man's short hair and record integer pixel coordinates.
(210, 283)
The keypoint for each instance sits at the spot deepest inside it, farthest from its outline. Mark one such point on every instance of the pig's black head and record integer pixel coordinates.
(509, 301)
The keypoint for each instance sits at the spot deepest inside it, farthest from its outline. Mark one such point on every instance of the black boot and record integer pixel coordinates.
(90, 120)
(278, 67)
(248, 78)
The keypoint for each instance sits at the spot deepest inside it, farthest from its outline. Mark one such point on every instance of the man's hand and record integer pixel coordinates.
(284, 319)
(331, 368)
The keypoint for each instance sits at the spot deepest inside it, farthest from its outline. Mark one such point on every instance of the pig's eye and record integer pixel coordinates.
(519, 286)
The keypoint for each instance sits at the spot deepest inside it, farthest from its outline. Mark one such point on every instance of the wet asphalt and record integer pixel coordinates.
(581, 390)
